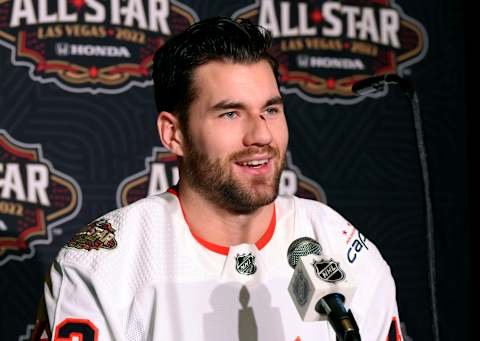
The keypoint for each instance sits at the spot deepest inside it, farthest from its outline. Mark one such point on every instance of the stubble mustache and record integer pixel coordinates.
(253, 151)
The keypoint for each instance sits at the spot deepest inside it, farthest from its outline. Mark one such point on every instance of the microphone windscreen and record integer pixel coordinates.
(301, 247)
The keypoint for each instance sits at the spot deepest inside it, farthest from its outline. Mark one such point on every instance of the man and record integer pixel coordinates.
(207, 259)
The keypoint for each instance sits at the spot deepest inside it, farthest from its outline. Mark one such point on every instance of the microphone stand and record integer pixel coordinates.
(375, 84)
(340, 319)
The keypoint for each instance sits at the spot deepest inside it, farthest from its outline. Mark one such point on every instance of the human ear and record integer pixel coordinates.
(170, 133)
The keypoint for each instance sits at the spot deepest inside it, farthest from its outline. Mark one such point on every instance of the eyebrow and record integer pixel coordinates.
(227, 104)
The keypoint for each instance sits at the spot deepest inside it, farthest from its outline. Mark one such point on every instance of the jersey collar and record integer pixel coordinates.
(220, 249)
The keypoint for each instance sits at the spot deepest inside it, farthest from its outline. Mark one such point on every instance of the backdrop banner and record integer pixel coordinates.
(78, 132)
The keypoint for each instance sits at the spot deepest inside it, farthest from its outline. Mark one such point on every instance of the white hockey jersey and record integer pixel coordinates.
(138, 273)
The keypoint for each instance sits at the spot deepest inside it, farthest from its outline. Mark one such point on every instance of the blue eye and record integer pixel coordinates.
(229, 115)
(272, 111)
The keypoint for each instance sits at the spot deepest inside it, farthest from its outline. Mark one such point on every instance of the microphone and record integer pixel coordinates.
(371, 85)
(319, 288)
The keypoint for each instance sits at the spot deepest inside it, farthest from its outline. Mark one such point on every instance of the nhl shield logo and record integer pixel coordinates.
(328, 270)
(245, 264)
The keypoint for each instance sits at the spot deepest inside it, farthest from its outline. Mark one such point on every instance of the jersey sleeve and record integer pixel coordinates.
(380, 320)
(95, 276)
(76, 306)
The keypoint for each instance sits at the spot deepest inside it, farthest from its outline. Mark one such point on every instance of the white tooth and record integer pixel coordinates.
(257, 162)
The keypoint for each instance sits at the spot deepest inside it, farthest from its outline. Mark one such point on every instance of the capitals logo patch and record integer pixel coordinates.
(161, 172)
(99, 235)
(34, 198)
(324, 46)
(245, 264)
(90, 46)
(328, 270)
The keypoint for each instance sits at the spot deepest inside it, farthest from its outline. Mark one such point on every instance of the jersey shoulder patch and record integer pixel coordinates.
(99, 234)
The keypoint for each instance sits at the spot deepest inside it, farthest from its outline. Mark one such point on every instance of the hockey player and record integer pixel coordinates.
(206, 260)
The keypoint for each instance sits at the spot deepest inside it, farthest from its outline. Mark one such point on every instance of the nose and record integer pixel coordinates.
(258, 132)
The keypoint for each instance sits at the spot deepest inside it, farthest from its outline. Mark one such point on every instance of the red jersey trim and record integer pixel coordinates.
(223, 250)
(394, 333)
(173, 190)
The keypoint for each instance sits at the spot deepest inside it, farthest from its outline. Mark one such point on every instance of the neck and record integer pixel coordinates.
(220, 226)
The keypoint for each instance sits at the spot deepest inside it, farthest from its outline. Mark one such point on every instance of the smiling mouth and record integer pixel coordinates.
(254, 163)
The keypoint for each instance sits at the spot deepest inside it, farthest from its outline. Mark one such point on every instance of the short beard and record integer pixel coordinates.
(214, 181)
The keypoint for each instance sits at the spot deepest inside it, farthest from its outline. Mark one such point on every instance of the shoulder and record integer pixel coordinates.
(125, 249)
(324, 220)
(120, 232)
(339, 237)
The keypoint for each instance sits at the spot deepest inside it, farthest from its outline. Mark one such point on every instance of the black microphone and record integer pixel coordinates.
(371, 85)
(319, 288)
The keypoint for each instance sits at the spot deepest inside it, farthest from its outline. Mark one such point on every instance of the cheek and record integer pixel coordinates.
(281, 133)
(217, 144)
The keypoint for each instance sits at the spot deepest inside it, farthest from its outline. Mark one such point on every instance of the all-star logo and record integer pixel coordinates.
(34, 197)
(99, 235)
(328, 270)
(161, 172)
(245, 264)
(89, 45)
(325, 46)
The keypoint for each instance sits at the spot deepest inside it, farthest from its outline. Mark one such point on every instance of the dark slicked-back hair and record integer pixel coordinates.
(215, 39)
